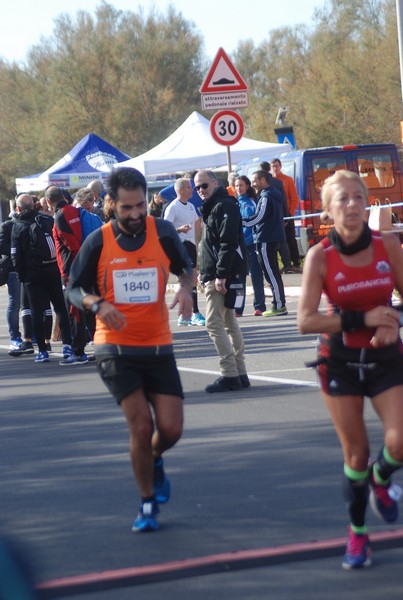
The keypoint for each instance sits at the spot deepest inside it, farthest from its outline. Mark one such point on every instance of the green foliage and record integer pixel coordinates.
(133, 78)
(340, 79)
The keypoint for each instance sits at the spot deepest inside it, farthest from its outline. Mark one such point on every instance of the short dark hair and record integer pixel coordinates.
(54, 194)
(277, 160)
(127, 178)
(261, 174)
(264, 166)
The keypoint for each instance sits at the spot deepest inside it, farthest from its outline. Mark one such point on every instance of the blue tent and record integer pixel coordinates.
(91, 158)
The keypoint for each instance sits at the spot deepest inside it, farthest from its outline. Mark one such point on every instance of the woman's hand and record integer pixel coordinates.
(382, 316)
(386, 321)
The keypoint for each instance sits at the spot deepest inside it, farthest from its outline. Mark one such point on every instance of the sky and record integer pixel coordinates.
(222, 23)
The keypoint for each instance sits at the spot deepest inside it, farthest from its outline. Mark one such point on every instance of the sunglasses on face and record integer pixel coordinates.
(202, 186)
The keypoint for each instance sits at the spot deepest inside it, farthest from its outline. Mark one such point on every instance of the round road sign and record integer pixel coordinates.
(226, 127)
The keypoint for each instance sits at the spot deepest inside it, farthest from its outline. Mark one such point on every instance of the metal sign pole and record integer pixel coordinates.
(229, 159)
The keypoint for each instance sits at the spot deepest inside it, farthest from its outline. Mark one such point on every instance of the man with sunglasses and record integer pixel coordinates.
(222, 266)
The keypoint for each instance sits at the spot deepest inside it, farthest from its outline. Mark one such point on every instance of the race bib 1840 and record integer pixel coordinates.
(131, 286)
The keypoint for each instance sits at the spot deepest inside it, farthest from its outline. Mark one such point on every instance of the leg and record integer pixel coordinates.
(348, 419)
(256, 274)
(235, 335)
(215, 319)
(13, 305)
(141, 427)
(285, 255)
(26, 315)
(168, 412)
(48, 318)
(38, 299)
(389, 407)
(347, 413)
(292, 243)
(57, 299)
(269, 264)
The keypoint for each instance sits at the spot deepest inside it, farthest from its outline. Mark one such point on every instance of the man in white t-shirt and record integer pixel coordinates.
(183, 216)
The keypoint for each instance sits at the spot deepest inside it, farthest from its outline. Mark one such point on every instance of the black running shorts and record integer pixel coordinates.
(355, 377)
(123, 375)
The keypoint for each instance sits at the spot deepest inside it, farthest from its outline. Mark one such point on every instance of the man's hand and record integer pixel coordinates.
(111, 316)
(184, 228)
(107, 312)
(184, 301)
(220, 286)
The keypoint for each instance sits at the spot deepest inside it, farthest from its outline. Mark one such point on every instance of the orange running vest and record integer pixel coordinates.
(135, 283)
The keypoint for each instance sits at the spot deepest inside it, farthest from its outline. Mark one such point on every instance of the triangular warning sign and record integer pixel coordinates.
(222, 76)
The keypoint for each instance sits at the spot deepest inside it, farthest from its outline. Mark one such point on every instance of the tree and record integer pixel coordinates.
(130, 78)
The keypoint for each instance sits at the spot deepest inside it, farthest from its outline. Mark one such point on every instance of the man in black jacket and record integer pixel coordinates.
(38, 271)
(222, 261)
(17, 346)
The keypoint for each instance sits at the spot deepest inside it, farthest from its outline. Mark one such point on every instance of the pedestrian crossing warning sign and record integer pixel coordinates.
(222, 76)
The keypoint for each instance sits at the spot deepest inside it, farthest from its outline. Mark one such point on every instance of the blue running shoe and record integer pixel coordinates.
(184, 322)
(198, 319)
(42, 357)
(162, 485)
(67, 351)
(73, 359)
(146, 519)
(358, 553)
(381, 499)
(15, 347)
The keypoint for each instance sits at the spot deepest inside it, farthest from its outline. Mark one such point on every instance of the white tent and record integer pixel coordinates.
(191, 146)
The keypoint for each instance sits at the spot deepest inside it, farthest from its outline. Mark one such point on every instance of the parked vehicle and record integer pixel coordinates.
(378, 164)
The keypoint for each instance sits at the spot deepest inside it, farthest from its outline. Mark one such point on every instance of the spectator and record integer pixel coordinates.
(183, 216)
(247, 206)
(223, 266)
(278, 185)
(268, 224)
(231, 184)
(34, 257)
(155, 205)
(169, 194)
(292, 201)
(97, 188)
(68, 238)
(13, 289)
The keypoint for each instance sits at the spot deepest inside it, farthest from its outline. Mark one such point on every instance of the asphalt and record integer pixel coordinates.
(256, 511)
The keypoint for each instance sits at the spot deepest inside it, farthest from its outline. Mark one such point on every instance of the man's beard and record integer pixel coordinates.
(134, 227)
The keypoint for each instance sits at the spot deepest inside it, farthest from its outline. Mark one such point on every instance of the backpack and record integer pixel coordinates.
(41, 240)
(89, 222)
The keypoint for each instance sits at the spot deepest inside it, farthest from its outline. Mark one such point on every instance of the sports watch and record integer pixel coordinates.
(95, 307)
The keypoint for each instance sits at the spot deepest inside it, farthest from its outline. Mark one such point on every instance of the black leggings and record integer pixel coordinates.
(42, 287)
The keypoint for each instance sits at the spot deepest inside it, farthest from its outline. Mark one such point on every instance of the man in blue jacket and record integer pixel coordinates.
(268, 224)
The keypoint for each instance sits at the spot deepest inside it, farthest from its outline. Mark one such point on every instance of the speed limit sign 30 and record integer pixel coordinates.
(226, 127)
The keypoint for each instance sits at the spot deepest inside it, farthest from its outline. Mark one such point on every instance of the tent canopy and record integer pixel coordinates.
(191, 146)
(91, 158)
